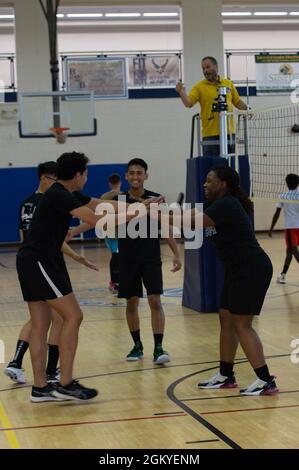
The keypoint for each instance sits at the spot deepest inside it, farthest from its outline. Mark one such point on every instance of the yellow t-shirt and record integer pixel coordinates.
(206, 93)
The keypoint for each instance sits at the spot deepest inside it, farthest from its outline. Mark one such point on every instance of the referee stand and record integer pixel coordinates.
(203, 274)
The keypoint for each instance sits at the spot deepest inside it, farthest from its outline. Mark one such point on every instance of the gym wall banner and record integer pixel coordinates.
(106, 77)
(154, 71)
(276, 73)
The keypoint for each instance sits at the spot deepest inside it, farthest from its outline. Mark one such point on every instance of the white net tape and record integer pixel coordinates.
(273, 149)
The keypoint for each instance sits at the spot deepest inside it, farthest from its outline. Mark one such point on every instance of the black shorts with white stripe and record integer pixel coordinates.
(42, 280)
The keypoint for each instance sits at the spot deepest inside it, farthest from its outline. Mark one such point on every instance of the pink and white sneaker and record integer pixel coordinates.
(219, 381)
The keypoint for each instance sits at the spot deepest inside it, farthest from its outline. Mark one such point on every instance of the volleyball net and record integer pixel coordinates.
(270, 138)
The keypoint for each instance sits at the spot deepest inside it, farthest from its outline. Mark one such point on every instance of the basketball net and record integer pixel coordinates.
(60, 133)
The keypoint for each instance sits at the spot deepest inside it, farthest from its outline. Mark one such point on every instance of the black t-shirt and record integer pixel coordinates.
(232, 236)
(27, 210)
(136, 249)
(50, 223)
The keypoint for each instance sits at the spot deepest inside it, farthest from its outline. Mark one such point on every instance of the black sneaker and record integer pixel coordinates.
(40, 394)
(136, 353)
(53, 378)
(74, 391)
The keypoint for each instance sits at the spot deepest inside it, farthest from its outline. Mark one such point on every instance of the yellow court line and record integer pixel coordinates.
(11, 436)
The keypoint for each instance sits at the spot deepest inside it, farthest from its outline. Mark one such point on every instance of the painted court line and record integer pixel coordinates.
(221, 397)
(105, 421)
(203, 442)
(8, 429)
(249, 409)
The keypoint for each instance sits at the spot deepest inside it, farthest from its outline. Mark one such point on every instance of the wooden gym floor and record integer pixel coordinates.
(145, 406)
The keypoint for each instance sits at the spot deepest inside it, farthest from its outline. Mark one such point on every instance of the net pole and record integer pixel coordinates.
(198, 124)
(247, 83)
(223, 122)
(246, 145)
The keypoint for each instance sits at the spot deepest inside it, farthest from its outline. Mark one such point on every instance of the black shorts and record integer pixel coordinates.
(132, 275)
(245, 288)
(42, 280)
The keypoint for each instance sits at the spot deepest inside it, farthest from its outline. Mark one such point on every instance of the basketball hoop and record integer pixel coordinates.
(60, 133)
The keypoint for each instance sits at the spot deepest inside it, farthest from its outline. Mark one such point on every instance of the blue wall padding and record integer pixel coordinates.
(18, 183)
(203, 276)
(244, 173)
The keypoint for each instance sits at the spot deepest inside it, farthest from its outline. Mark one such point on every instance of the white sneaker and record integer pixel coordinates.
(160, 356)
(259, 387)
(281, 279)
(16, 374)
(219, 381)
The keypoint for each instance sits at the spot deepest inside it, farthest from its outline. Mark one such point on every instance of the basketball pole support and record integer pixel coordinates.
(50, 12)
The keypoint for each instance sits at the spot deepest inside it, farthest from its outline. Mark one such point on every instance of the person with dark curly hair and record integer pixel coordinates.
(248, 272)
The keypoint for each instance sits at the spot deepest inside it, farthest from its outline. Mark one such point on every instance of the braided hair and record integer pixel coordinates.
(225, 173)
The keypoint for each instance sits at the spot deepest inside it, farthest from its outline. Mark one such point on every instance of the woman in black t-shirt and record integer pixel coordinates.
(248, 272)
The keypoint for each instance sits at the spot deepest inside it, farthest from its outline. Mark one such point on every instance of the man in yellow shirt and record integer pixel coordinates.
(206, 94)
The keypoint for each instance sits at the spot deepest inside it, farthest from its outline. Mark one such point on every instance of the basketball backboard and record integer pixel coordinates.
(39, 112)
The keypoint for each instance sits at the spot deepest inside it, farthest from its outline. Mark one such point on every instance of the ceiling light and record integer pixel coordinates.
(270, 13)
(116, 15)
(84, 15)
(60, 15)
(236, 13)
(6, 16)
(294, 13)
(160, 14)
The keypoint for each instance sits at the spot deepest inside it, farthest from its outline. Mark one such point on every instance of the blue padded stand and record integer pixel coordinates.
(203, 276)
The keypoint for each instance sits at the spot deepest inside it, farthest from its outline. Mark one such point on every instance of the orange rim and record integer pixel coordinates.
(59, 130)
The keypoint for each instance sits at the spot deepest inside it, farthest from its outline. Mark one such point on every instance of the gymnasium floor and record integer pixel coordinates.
(145, 406)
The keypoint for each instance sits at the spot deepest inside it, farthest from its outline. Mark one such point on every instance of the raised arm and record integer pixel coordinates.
(121, 212)
(180, 88)
(197, 219)
(81, 228)
(116, 206)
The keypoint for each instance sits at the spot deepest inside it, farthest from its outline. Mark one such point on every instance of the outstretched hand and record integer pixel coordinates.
(87, 263)
(153, 202)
